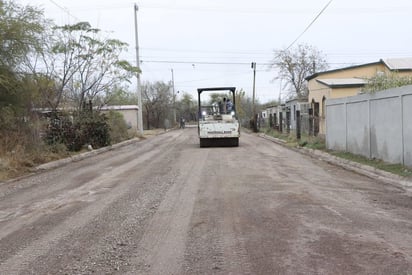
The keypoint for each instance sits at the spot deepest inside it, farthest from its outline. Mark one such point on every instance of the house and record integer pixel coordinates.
(346, 82)
(269, 116)
(293, 105)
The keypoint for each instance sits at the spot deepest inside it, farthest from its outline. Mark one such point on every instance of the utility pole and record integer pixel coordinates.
(139, 91)
(253, 66)
(255, 128)
(174, 100)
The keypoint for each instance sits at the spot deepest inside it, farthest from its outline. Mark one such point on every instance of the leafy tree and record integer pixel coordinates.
(79, 65)
(157, 103)
(244, 107)
(296, 64)
(383, 82)
(20, 30)
(120, 96)
(52, 68)
(270, 103)
(216, 97)
(187, 107)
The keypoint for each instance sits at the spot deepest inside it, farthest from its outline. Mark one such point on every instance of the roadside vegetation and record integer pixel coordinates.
(383, 82)
(53, 81)
(379, 164)
(318, 143)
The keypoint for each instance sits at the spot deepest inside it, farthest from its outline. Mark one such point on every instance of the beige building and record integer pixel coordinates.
(346, 82)
(129, 112)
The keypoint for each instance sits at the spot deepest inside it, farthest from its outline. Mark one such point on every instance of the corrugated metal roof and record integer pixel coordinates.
(393, 64)
(398, 63)
(334, 82)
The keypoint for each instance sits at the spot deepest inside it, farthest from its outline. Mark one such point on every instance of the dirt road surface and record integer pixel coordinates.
(165, 206)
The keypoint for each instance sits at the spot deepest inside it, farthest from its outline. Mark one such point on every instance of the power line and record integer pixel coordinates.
(311, 23)
(199, 62)
(64, 9)
(226, 63)
(230, 51)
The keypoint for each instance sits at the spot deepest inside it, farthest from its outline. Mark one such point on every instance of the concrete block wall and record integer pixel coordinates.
(375, 125)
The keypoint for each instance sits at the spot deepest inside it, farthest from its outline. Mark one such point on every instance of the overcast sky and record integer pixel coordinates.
(185, 35)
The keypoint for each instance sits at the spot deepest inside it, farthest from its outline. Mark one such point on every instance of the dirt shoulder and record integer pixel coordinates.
(365, 170)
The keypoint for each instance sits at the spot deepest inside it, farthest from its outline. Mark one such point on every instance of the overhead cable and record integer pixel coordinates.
(200, 62)
(64, 9)
(311, 23)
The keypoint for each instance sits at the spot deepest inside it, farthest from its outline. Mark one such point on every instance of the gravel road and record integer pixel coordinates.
(165, 206)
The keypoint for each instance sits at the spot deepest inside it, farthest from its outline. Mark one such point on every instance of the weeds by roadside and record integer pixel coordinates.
(23, 157)
(396, 169)
(24, 145)
(318, 143)
(291, 140)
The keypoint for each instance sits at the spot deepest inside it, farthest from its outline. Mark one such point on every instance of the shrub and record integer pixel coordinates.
(87, 128)
(92, 128)
(118, 127)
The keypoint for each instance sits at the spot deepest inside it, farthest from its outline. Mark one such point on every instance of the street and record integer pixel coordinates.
(165, 206)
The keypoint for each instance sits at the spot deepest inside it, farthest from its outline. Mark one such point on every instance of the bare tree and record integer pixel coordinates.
(295, 64)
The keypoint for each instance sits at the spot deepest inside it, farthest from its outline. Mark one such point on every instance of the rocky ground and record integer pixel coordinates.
(163, 205)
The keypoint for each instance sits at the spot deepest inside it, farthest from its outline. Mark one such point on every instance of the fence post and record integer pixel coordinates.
(288, 121)
(281, 122)
(311, 122)
(298, 124)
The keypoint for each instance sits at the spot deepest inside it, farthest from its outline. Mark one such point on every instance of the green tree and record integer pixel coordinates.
(244, 107)
(52, 68)
(120, 95)
(157, 103)
(20, 30)
(82, 66)
(295, 64)
(386, 81)
(187, 107)
(216, 97)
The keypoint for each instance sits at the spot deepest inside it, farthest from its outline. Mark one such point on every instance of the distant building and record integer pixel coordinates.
(129, 112)
(294, 105)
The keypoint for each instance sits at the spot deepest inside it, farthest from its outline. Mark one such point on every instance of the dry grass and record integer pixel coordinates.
(18, 155)
(20, 151)
(22, 159)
